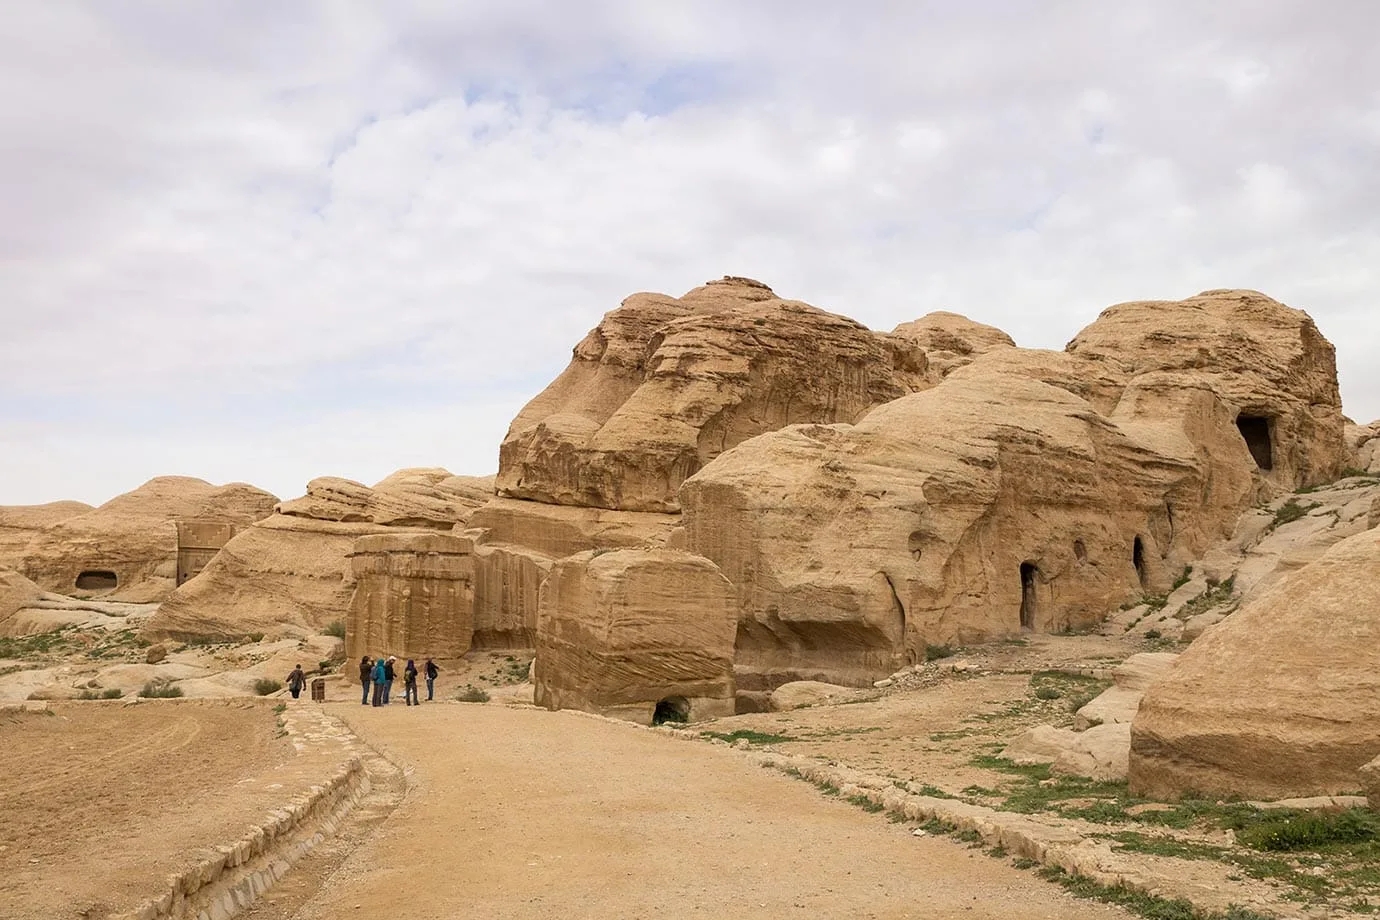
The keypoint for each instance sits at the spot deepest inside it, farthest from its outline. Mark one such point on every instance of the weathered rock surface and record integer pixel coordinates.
(1098, 753)
(1026, 490)
(629, 632)
(663, 385)
(951, 341)
(127, 548)
(1363, 447)
(801, 693)
(291, 573)
(413, 596)
(1267, 361)
(1282, 698)
(16, 593)
(19, 524)
(1118, 703)
(1370, 783)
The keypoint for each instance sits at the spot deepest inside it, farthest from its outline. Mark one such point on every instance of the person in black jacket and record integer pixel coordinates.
(410, 683)
(366, 677)
(388, 676)
(431, 672)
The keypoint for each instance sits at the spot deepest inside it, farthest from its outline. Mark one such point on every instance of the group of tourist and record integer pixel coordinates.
(379, 674)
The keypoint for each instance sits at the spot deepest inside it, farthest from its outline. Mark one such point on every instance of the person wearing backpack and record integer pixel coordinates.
(378, 681)
(296, 681)
(366, 677)
(431, 672)
(410, 684)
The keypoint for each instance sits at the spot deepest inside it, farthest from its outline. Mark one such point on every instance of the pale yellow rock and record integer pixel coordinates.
(1119, 702)
(629, 632)
(1280, 699)
(1098, 753)
(800, 693)
(413, 596)
(431, 498)
(951, 340)
(1370, 782)
(19, 524)
(663, 385)
(127, 548)
(1363, 447)
(16, 593)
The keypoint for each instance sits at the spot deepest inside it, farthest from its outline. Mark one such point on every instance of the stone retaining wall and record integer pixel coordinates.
(222, 885)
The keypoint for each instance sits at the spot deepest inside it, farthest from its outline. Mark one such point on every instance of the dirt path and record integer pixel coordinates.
(525, 813)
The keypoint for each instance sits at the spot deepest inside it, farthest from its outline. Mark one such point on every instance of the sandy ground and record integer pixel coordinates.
(103, 800)
(525, 813)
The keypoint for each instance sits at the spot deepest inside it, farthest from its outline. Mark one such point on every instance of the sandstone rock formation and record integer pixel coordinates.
(663, 385)
(1098, 753)
(1281, 699)
(127, 548)
(1363, 447)
(1370, 783)
(801, 693)
(951, 341)
(645, 635)
(16, 593)
(19, 524)
(291, 571)
(412, 598)
(1027, 489)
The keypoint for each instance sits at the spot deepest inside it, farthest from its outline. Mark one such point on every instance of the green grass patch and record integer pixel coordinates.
(750, 736)
(1150, 906)
(109, 693)
(1311, 831)
(865, 803)
(1289, 512)
(1183, 578)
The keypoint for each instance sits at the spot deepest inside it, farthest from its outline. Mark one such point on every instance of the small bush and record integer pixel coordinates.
(160, 690)
(109, 693)
(1153, 634)
(473, 695)
(1048, 693)
(935, 652)
(1183, 578)
(750, 736)
(254, 637)
(266, 685)
(1310, 831)
(1289, 512)
(335, 628)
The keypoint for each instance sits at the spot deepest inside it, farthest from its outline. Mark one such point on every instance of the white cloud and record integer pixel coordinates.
(344, 215)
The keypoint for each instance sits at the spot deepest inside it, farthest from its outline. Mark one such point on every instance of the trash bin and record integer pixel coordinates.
(318, 690)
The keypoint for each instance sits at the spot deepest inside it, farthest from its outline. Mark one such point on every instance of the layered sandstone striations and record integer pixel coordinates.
(127, 548)
(1281, 699)
(636, 634)
(413, 596)
(1031, 490)
(16, 593)
(291, 571)
(951, 341)
(663, 385)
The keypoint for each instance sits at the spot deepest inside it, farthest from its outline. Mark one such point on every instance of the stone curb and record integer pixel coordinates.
(223, 885)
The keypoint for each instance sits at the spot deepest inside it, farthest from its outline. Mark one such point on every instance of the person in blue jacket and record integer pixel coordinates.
(378, 681)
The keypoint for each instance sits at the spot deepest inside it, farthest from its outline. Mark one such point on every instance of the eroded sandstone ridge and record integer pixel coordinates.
(413, 596)
(291, 571)
(127, 548)
(1027, 490)
(637, 634)
(1280, 699)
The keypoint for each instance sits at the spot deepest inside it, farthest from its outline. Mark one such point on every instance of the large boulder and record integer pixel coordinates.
(1281, 699)
(663, 385)
(127, 548)
(1363, 447)
(16, 593)
(413, 596)
(291, 572)
(636, 634)
(1370, 783)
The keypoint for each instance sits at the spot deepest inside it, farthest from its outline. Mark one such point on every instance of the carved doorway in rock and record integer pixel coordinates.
(97, 581)
(1258, 433)
(1029, 573)
(1138, 560)
(671, 709)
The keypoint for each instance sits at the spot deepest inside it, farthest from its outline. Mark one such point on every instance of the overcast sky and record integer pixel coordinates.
(267, 241)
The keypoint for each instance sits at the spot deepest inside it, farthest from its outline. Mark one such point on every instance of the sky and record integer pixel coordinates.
(267, 241)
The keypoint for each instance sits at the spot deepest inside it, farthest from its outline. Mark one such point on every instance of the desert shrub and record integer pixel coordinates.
(1048, 693)
(1289, 512)
(935, 652)
(266, 685)
(109, 693)
(1153, 634)
(473, 695)
(160, 690)
(1183, 577)
(335, 628)
(1310, 831)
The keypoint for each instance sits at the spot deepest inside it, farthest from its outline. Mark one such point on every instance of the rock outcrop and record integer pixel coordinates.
(291, 573)
(19, 524)
(1281, 699)
(413, 596)
(1027, 489)
(16, 593)
(645, 635)
(1363, 447)
(951, 341)
(127, 548)
(663, 385)
(1370, 783)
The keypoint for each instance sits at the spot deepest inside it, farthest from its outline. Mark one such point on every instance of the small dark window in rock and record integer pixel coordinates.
(1138, 559)
(917, 543)
(672, 709)
(1028, 597)
(1259, 435)
(97, 581)
(1080, 550)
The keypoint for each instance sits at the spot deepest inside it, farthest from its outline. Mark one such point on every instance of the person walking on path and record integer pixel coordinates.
(388, 676)
(431, 672)
(296, 681)
(410, 684)
(379, 687)
(366, 677)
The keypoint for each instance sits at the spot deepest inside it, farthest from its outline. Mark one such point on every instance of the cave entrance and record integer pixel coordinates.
(1258, 432)
(671, 709)
(1028, 573)
(97, 580)
(1138, 560)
